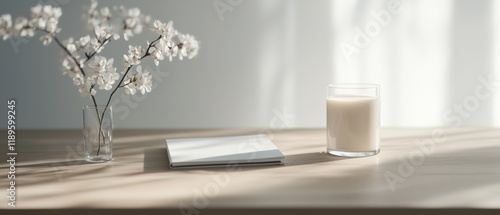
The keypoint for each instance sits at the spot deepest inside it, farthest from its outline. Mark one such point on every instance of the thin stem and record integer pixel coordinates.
(149, 47)
(125, 75)
(116, 88)
(100, 129)
(79, 67)
(69, 53)
(92, 96)
(124, 85)
(104, 42)
(76, 62)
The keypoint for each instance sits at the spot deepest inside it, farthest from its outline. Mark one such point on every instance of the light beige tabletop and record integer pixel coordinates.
(416, 168)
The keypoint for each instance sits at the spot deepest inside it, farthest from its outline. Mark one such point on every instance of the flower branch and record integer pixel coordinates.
(94, 70)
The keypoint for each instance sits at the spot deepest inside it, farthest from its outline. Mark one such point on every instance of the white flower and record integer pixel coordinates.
(189, 46)
(138, 81)
(78, 79)
(157, 51)
(156, 54)
(36, 11)
(46, 18)
(51, 25)
(93, 6)
(72, 46)
(164, 29)
(85, 87)
(92, 16)
(105, 33)
(47, 39)
(182, 51)
(95, 45)
(100, 33)
(172, 52)
(103, 72)
(69, 67)
(133, 18)
(166, 42)
(99, 22)
(5, 26)
(105, 13)
(146, 20)
(133, 21)
(134, 56)
(49, 11)
(106, 80)
(144, 84)
(193, 46)
(40, 23)
(113, 31)
(23, 28)
(83, 42)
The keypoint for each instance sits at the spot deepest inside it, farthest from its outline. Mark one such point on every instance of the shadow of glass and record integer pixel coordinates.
(57, 163)
(311, 158)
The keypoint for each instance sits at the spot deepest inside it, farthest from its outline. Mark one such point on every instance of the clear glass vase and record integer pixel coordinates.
(98, 133)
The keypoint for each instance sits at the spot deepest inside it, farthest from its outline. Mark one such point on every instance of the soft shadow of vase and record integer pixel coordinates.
(98, 133)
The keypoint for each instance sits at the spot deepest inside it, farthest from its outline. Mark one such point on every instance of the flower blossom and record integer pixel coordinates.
(5, 26)
(138, 81)
(164, 29)
(134, 56)
(79, 61)
(157, 51)
(103, 72)
(171, 51)
(69, 67)
(188, 46)
(133, 21)
(23, 27)
(85, 86)
(45, 18)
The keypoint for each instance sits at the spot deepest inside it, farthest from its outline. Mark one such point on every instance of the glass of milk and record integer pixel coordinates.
(353, 120)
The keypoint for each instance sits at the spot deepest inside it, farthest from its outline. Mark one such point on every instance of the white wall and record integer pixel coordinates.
(268, 57)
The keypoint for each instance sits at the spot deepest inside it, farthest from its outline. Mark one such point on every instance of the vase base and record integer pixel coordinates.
(98, 159)
(352, 154)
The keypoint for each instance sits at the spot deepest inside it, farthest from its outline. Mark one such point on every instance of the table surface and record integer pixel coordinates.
(416, 168)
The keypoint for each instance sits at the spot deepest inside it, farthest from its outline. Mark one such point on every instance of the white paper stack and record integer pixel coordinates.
(247, 150)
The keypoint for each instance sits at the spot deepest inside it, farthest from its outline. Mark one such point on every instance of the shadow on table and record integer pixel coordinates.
(311, 158)
(440, 177)
(56, 164)
(156, 160)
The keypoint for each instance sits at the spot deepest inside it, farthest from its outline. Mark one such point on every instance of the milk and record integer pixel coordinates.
(353, 123)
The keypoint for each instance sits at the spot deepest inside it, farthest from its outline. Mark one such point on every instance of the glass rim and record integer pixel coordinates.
(354, 85)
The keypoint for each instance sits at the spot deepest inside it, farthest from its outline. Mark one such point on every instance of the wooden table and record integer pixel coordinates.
(416, 169)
